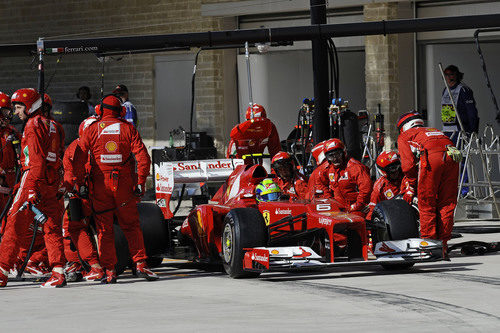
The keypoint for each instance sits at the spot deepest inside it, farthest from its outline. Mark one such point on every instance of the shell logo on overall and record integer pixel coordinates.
(111, 146)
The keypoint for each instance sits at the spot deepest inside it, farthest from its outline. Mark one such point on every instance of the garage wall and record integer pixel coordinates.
(24, 21)
(281, 80)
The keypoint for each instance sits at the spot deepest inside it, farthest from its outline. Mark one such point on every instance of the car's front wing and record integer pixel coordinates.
(413, 250)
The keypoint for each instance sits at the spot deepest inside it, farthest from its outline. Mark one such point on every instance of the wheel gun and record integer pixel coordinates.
(39, 219)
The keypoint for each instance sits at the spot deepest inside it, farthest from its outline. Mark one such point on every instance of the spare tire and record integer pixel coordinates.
(70, 112)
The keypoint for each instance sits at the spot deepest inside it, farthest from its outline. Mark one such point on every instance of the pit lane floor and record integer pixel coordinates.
(458, 296)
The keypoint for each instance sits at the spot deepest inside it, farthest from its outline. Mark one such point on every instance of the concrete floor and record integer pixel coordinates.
(458, 296)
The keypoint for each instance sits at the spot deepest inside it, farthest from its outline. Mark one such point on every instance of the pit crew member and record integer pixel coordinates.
(76, 232)
(389, 183)
(429, 156)
(345, 179)
(115, 186)
(35, 146)
(10, 140)
(291, 182)
(254, 135)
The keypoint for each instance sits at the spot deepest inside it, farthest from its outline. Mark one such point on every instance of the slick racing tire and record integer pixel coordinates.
(395, 220)
(154, 231)
(242, 228)
(122, 252)
(155, 235)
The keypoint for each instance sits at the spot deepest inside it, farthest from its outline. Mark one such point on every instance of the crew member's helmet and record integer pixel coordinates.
(283, 164)
(97, 110)
(389, 164)
(267, 190)
(335, 151)
(111, 102)
(5, 101)
(47, 101)
(408, 120)
(318, 152)
(258, 111)
(5, 109)
(29, 97)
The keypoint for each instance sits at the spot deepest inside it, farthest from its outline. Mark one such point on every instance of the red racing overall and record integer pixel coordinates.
(35, 146)
(111, 142)
(437, 174)
(8, 162)
(350, 185)
(253, 136)
(77, 231)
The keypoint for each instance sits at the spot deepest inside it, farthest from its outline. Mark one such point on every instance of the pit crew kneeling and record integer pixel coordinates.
(344, 179)
(291, 182)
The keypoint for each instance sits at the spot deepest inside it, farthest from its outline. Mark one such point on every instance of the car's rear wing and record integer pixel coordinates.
(167, 174)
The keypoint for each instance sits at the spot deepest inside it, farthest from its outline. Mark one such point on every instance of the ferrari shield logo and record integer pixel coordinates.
(267, 216)
(388, 194)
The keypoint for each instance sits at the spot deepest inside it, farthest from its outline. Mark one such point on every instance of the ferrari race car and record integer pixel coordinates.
(249, 237)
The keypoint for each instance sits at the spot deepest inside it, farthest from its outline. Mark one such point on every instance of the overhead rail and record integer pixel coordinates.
(231, 37)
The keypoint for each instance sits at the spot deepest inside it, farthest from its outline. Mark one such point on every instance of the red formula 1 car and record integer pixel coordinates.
(249, 237)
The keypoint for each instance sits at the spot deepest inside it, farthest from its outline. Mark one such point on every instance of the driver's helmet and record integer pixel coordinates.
(267, 190)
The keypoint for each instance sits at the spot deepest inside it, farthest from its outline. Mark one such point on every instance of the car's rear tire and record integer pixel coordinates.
(242, 228)
(155, 235)
(122, 252)
(154, 231)
(395, 220)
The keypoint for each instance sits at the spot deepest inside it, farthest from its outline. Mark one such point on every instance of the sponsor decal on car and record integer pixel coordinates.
(385, 248)
(324, 221)
(267, 216)
(303, 254)
(280, 211)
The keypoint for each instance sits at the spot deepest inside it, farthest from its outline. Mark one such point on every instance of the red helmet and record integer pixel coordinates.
(282, 163)
(388, 162)
(318, 152)
(29, 97)
(97, 110)
(408, 120)
(86, 123)
(258, 111)
(335, 152)
(333, 144)
(5, 101)
(47, 101)
(113, 103)
(281, 155)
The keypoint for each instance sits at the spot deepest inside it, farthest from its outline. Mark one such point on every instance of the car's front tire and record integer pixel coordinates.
(243, 228)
